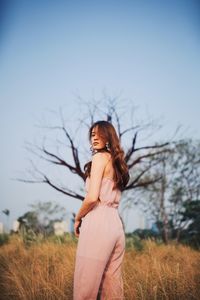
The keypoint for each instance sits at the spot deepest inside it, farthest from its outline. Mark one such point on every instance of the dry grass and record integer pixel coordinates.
(42, 271)
(162, 272)
(45, 271)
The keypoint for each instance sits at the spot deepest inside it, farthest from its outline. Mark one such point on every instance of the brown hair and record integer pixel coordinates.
(107, 133)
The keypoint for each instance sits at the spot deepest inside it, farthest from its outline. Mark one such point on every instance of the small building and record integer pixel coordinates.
(61, 227)
(15, 226)
(1, 228)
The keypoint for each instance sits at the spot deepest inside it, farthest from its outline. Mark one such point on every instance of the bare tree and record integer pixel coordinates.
(138, 154)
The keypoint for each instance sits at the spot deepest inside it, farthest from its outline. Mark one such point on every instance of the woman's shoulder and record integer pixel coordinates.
(101, 156)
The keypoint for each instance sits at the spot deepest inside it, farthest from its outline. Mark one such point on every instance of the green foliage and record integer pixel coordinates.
(178, 187)
(133, 241)
(192, 212)
(191, 235)
(40, 219)
(4, 238)
(63, 239)
(29, 221)
(145, 233)
(136, 240)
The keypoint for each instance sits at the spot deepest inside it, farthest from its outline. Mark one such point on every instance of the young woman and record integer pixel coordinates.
(101, 243)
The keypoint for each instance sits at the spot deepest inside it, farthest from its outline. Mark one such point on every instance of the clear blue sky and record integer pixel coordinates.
(50, 51)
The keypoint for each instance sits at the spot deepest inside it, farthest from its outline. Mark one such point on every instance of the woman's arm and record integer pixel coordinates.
(91, 199)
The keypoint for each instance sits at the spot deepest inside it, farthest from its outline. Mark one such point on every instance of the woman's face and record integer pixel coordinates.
(96, 141)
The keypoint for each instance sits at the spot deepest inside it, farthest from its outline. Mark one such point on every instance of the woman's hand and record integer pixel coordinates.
(77, 225)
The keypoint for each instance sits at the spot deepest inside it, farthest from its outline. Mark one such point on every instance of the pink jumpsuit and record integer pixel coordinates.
(100, 249)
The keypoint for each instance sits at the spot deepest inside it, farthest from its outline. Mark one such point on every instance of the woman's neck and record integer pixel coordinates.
(100, 150)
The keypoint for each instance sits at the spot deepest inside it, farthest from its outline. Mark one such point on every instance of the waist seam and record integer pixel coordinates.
(106, 205)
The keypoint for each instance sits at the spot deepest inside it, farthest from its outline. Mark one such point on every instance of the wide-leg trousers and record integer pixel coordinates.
(99, 256)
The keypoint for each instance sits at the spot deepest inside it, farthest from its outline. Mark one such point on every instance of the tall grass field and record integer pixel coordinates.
(44, 270)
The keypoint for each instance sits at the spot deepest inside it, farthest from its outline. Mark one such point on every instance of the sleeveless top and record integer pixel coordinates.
(107, 195)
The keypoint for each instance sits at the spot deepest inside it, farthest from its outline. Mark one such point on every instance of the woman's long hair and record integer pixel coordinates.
(107, 133)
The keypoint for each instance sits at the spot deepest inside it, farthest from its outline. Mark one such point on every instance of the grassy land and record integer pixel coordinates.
(44, 270)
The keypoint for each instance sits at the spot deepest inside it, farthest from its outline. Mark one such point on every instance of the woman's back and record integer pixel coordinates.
(109, 170)
(107, 195)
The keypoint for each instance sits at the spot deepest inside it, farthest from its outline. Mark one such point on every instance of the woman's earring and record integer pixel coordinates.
(107, 146)
(93, 150)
